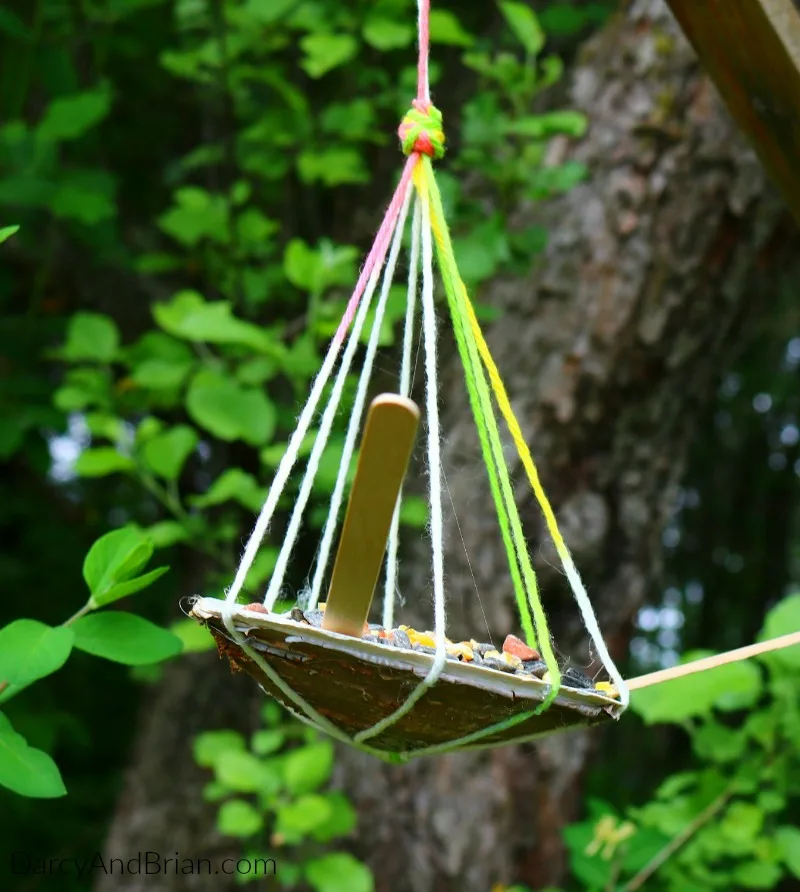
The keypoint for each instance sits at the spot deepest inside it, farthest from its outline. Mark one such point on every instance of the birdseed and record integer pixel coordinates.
(515, 657)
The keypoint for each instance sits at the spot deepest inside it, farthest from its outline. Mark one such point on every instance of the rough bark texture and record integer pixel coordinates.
(610, 349)
(161, 808)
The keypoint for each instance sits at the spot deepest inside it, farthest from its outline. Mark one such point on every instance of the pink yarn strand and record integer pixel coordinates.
(424, 28)
(380, 247)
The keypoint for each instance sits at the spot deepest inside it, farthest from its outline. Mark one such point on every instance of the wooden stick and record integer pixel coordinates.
(385, 452)
(731, 656)
(751, 50)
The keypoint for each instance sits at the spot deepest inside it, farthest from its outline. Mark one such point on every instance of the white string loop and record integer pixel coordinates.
(390, 591)
(332, 520)
(435, 477)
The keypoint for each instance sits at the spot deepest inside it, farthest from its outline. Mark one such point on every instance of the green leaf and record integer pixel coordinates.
(743, 687)
(166, 533)
(210, 745)
(715, 742)
(332, 167)
(446, 29)
(30, 650)
(197, 215)
(254, 229)
(123, 589)
(165, 453)
(295, 820)
(523, 22)
(303, 266)
(335, 265)
(387, 34)
(214, 792)
(262, 567)
(84, 387)
(157, 344)
(233, 485)
(569, 123)
(116, 557)
(676, 784)
(272, 455)
(124, 638)
(756, 875)
(239, 818)
(563, 18)
(6, 232)
(771, 801)
(195, 638)
(192, 318)
(741, 824)
(108, 426)
(256, 370)
(271, 713)
(733, 686)
(414, 512)
(71, 116)
(84, 195)
(25, 770)
(302, 360)
(91, 336)
(788, 839)
(559, 179)
(353, 121)
(263, 743)
(268, 10)
(243, 772)
(160, 374)
(324, 52)
(307, 768)
(102, 461)
(342, 821)
(781, 620)
(338, 872)
(480, 252)
(229, 411)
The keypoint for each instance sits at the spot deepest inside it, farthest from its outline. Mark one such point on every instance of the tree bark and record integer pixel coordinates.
(611, 349)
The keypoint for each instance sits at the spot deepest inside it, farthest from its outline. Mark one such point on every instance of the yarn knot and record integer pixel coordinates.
(421, 130)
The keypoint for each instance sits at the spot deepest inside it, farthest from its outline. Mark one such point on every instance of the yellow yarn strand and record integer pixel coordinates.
(516, 433)
(429, 192)
(571, 571)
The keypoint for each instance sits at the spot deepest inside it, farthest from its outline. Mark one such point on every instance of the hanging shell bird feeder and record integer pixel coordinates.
(390, 690)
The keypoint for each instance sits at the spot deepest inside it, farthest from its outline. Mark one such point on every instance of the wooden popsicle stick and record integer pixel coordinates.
(385, 452)
(731, 656)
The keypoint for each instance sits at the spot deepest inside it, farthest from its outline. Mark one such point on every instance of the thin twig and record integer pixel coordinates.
(78, 614)
(674, 844)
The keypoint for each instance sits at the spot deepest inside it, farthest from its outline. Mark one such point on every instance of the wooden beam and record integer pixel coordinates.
(385, 451)
(751, 50)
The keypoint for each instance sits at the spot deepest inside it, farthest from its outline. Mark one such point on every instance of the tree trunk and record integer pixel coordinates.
(610, 350)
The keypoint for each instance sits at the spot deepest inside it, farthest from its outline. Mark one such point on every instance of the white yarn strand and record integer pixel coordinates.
(405, 389)
(593, 628)
(320, 443)
(284, 470)
(434, 462)
(353, 427)
(434, 434)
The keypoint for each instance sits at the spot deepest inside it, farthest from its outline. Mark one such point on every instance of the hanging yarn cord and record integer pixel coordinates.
(422, 139)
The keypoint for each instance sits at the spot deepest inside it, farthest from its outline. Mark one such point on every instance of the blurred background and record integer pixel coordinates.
(196, 183)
